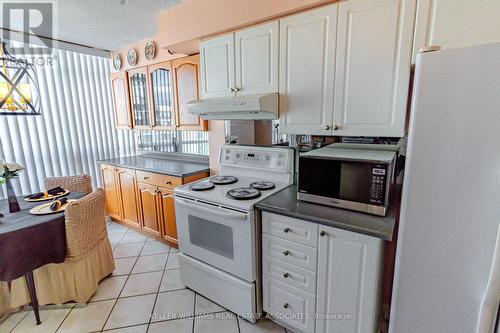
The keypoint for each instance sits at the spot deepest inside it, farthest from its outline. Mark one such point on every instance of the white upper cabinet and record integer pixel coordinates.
(217, 66)
(349, 275)
(256, 52)
(456, 23)
(373, 67)
(245, 62)
(307, 60)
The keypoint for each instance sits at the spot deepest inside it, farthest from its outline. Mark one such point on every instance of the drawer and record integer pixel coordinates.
(288, 305)
(290, 252)
(157, 179)
(289, 274)
(291, 229)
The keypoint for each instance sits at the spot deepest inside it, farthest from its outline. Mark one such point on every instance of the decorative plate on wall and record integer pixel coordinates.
(132, 57)
(150, 50)
(117, 62)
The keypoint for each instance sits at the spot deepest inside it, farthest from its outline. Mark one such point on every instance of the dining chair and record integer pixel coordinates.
(89, 258)
(78, 183)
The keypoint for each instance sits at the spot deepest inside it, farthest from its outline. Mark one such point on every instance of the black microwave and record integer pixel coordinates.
(355, 179)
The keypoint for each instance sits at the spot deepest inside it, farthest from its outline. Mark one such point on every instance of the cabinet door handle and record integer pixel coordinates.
(286, 230)
(146, 178)
(322, 233)
(286, 306)
(286, 275)
(168, 196)
(336, 127)
(327, 127)
(233, 89)
(286, 253)
(236, 89)
(168, 182)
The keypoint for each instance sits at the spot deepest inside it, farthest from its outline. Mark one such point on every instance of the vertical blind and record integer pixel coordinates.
(76, 127)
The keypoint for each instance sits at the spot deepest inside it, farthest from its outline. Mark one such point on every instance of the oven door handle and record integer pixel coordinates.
(200, 206)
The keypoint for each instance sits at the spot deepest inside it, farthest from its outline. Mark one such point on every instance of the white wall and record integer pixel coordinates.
(76, 127)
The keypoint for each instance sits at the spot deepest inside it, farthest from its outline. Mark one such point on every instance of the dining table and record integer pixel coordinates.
(29, 241)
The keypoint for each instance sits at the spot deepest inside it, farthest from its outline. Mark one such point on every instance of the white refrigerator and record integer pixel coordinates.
(447, 275)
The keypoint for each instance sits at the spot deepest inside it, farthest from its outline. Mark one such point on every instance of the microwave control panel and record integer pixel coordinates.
(379, 179)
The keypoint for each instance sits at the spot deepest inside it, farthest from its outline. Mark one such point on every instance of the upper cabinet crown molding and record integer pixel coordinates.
(373, 67)
(456, 23)
(307, 63)
(245, 62)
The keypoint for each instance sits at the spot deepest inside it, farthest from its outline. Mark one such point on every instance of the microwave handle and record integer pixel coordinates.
(210, 210)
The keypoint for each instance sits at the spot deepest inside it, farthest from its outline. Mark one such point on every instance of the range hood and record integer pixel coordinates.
(249, 107)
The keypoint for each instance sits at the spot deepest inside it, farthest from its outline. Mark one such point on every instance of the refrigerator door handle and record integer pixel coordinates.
(491, 298)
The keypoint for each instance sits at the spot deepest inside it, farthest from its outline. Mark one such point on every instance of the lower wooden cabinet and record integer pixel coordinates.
(111, 190)
(149, 208)
(127, 195)
(166, 203)
(143, 200)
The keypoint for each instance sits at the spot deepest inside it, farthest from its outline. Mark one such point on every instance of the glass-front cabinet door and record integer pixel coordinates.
(162, 100)
(138, 85)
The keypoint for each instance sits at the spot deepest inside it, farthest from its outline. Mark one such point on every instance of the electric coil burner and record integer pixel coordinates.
(243, 193)
(223, 180)
(262, 185)
(201, 186)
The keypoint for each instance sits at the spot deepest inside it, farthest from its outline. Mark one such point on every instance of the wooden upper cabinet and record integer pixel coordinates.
(111, 190)
(121, 100)
(307, 64)
(167, 210)
(217, 67)
(187, 88)
(373, 67)
(139, 97)
(161, 95)
(149, 208)
(256, 59)
(129, 206)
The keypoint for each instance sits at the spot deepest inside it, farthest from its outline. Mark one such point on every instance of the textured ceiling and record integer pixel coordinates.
(109, 24)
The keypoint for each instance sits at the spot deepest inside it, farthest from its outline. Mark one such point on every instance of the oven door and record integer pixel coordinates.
(218, 236)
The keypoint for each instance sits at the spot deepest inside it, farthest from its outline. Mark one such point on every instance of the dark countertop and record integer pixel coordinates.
(168, 166)
(285, 202)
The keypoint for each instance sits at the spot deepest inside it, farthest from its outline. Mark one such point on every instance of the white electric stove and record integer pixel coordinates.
(219, 235)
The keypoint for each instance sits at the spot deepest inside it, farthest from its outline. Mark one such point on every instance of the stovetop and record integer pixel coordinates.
(219, 193)
(249, 164)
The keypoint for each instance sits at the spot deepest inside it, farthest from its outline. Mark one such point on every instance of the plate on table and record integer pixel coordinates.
(44, 209)
(49, 197)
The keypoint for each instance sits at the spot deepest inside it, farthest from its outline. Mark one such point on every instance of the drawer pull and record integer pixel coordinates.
(286, 275)
(322, 233)
(286, 230)
(168, 182)
(286, 306)
(146, 178)
(285, 253)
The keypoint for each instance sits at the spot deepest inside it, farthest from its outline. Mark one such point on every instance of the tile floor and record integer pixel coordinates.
(144, 294)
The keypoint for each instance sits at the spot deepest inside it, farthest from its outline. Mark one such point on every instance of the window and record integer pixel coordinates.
(184, 142)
